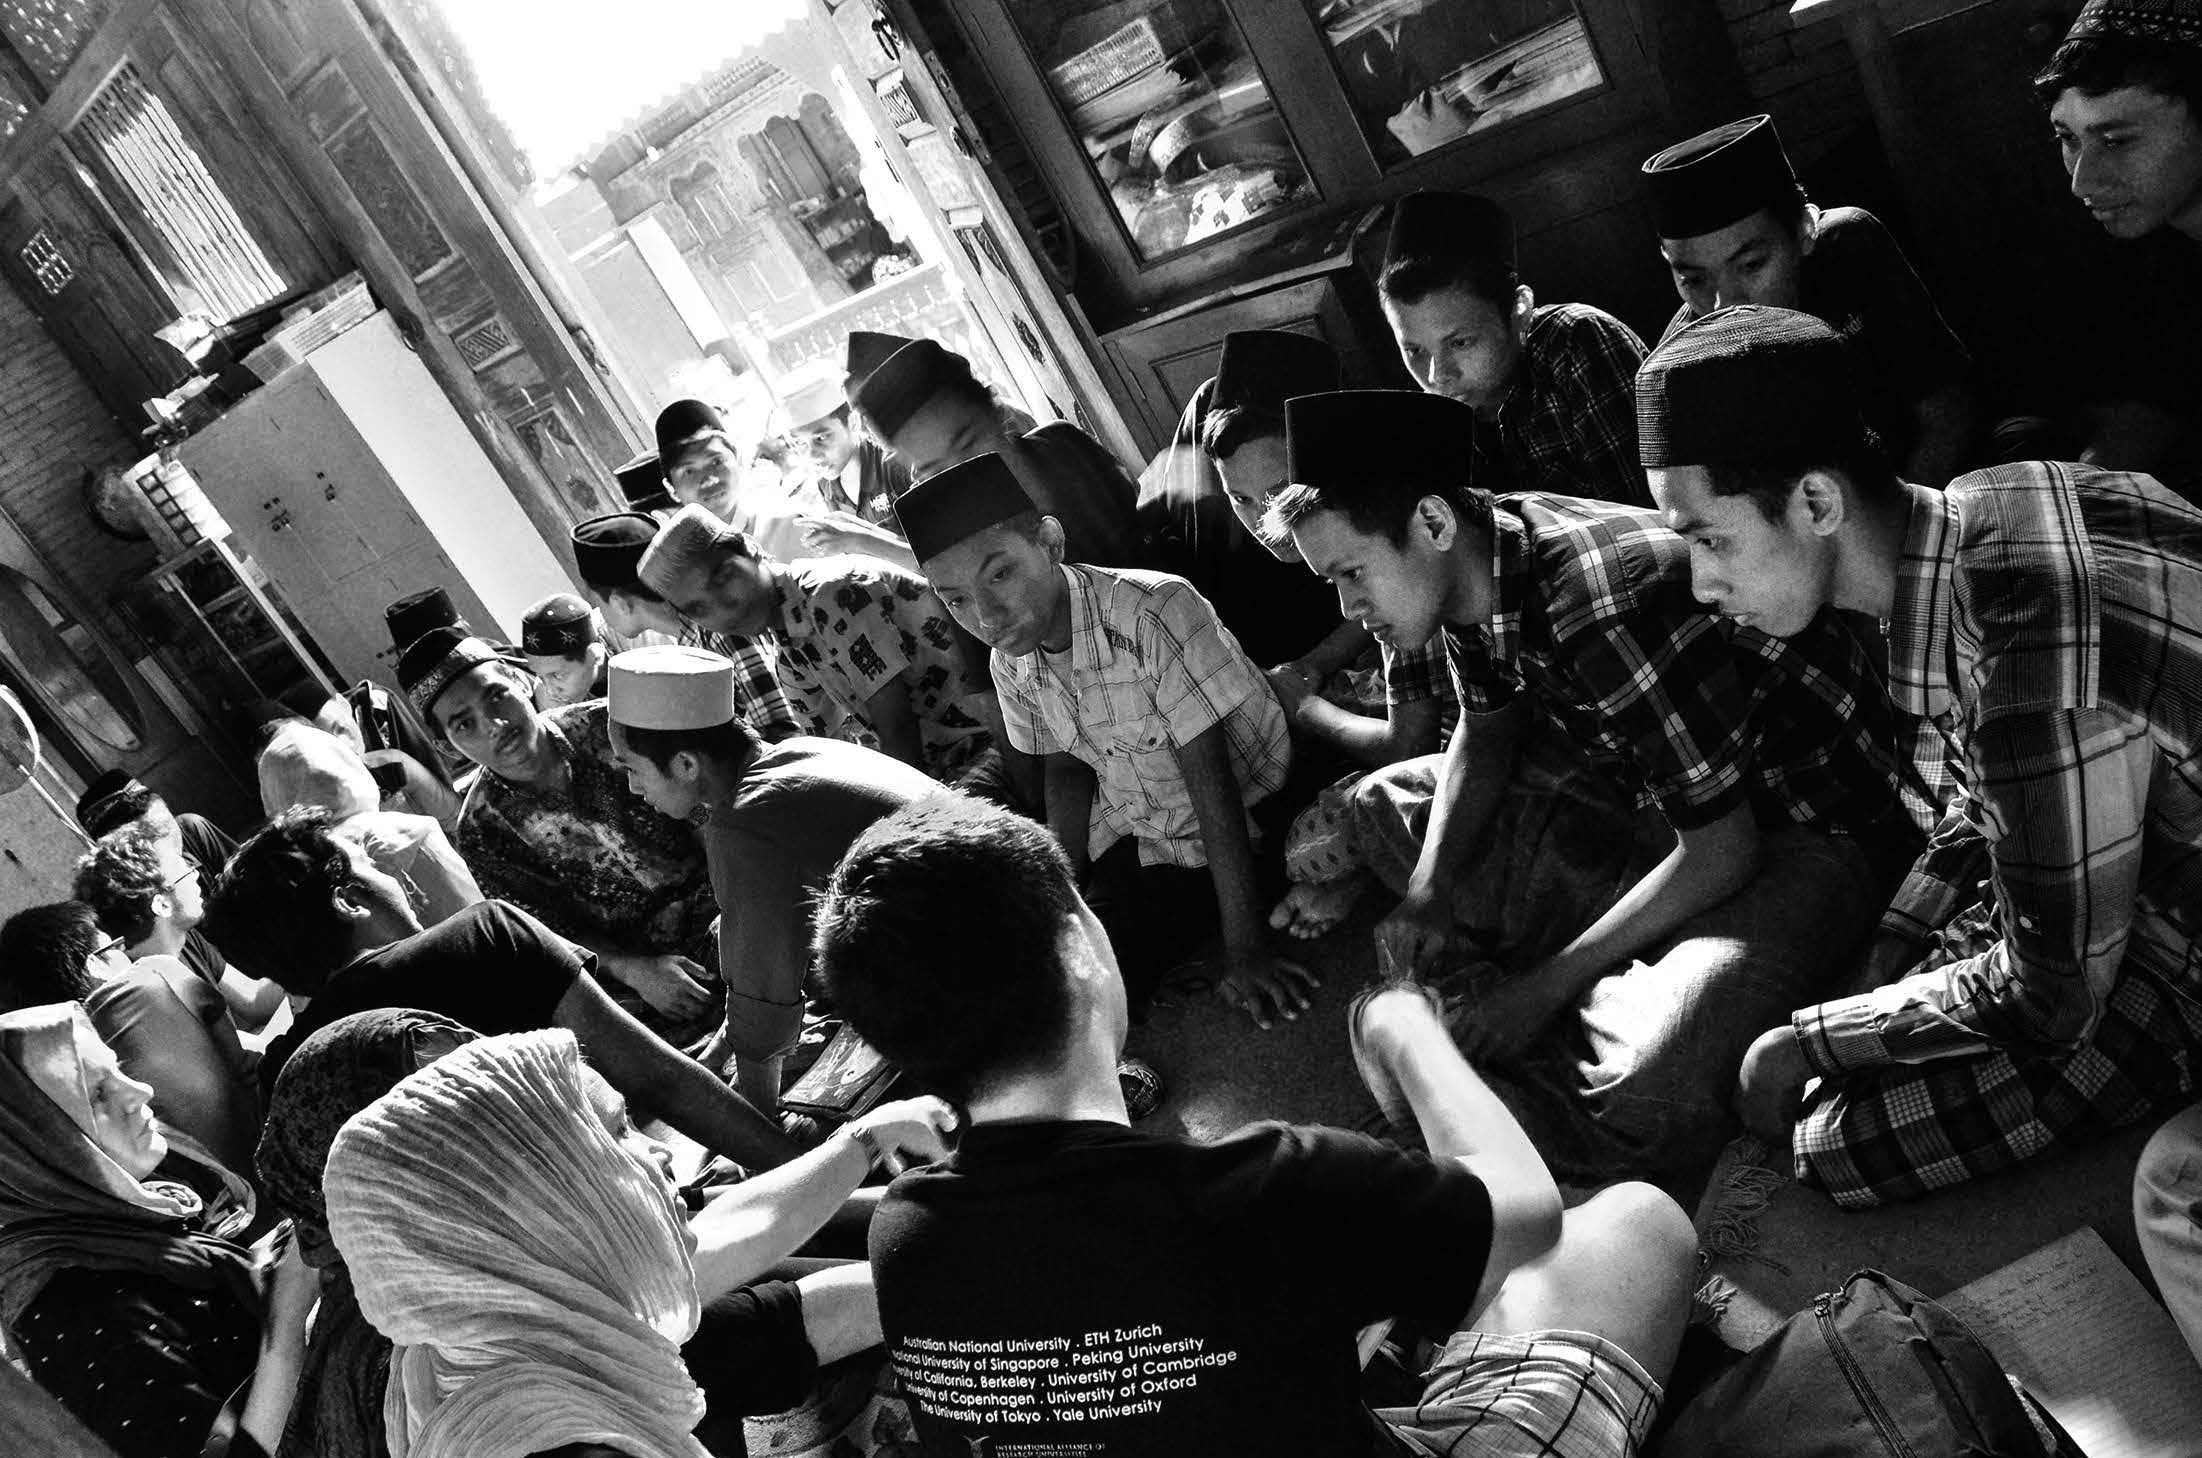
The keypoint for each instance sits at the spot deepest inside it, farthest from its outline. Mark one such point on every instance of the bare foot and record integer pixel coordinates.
(1313, 908)
(1375, 1023)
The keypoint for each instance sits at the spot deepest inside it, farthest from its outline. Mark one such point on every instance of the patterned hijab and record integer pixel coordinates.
(331, 1076)
(64, 1204)
(535, 1276)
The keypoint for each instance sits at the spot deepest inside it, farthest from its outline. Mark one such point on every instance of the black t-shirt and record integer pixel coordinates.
(1082, 1288)
(2151, 344)
(1277, 610)
(491, 967)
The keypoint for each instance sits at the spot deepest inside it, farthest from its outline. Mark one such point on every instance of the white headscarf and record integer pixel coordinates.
(535, 1275)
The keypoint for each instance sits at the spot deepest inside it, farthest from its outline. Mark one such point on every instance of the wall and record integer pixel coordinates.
(1805, 78)
(51, 427)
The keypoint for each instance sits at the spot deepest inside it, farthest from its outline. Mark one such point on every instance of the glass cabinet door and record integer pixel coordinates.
(1172, 113)
(1424, 74)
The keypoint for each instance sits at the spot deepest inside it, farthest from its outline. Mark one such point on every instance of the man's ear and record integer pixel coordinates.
(1525, 309)
(1819, 504)
(1052, 540)
(349, 900)
(685, 767)
(1436, 522)
(1808, 229)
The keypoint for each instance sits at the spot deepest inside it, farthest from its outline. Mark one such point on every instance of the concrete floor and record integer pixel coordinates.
(1222, 1071)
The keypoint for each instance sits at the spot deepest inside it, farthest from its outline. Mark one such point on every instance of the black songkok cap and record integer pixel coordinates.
(1450, 225)
(1262, 368)
(409, 617)
(905, 380)
(642, 483)
(867, 351)
(558, 625)
(436, 660)
(1720, 177)
(1748, 386)
(1402, 436)
(942, 510)
(607, 550)
(679, 421)
(107, 786)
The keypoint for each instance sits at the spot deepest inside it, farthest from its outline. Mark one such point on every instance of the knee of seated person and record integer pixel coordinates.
(1658, 1228)
(2169, 1177)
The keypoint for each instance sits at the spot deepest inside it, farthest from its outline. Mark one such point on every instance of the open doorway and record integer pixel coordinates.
(713, 197)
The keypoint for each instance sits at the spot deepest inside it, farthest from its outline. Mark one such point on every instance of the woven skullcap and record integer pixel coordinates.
(667, 686)
(1406, 437)
(1449, 226)
(561, 623)
(608, 549)
(905, 380)
(1748, 386)
(688, 546)
(2178, 22)
(1720, 177)
(1260, 369)
(960, 502)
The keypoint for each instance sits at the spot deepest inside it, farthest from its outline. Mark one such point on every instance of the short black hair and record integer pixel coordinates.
(1376, 505)
(119, 877)
(1414, 278)
(2096, 65)
(1865, 468)
(959, 1001)
(735, 742)
(274, 907)
(43, 952)
(1223, 431)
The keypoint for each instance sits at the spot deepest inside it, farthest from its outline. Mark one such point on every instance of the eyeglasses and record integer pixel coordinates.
(191, 868)
(112, 947)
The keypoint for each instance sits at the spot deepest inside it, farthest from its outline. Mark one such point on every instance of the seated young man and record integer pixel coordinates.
(167, 1028)
(1158, 733)
(1066, 1283)
(702, 465)
(854, 637)
(779, 817)
(550, 825)
(607, 557)
(1551, 385)
(1735, 228)
(849, 473)
(2124, 94)
(2034, 981)
(1263, 592)
(564, 646)
(1651, 827)
(304, 899)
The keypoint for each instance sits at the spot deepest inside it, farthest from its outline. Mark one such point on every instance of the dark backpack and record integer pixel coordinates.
(1875, 1370)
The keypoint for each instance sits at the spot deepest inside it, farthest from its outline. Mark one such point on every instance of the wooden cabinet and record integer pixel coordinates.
(1332, 108)
(351, 480)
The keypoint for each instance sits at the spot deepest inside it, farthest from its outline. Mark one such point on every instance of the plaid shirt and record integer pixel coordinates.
(2048, 625)
(758, 694)
(1568, 426)
(850, 626)
(1150, 668)
(592, 860)
(1419, 675)
(1594, 616)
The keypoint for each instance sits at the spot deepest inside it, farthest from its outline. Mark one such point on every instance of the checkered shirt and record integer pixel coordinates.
(759, 696)
(1150, 668)
(2048, 623)
(1569, 424)
(1594, 616)
(1420, 675)
(850, 626)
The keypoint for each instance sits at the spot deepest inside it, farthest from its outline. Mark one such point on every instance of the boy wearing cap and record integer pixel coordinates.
(779, 818)
(565, 651)
(2045, 635)
(1158, 733)
(2124, 94)
(1649, 828)
(852, 474)
(1550, 384)
(549, 825)
(853, 636)
(1735, 228)
(607, 556)
(702, 466)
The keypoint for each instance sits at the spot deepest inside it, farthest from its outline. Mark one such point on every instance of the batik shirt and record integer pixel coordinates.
(593, 862)
(759, 696)
(850, 626)
(1149, 669)
(2048, 626)
(1594, 618)
(1568, 425)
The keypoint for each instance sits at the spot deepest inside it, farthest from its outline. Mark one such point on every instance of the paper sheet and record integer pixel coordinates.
(2072, 1323)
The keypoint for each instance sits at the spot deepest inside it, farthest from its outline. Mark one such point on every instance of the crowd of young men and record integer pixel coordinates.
(1727, 749)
